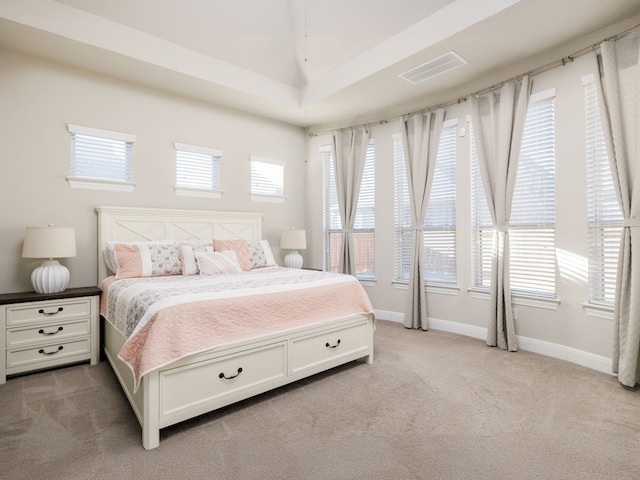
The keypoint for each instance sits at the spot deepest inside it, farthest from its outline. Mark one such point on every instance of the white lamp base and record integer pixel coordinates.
(50, 277)
(293, 260)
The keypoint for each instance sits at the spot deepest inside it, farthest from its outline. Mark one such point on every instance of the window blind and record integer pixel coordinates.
(402, 210)
(604, 216)
(533, 212)
(482, 233)
(197, 167)
(100, 154)
(364, 223)
(532, 224)
(267, 177)
(439, 225)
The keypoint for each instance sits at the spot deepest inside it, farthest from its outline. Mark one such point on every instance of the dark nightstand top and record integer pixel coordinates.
(6, 298)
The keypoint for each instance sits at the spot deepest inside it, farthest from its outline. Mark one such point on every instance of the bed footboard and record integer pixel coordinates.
(211, 380)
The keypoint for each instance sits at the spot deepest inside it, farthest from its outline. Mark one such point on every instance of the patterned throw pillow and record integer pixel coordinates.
(147, 260)
(188, 254)
(260, 254)
(110, 254)
(216, 263)
(241, 247)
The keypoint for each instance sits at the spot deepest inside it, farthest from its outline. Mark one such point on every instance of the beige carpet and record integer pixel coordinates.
(432, 406)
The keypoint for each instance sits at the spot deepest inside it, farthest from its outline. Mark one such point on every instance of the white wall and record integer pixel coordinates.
(569, 327)
(38, 99)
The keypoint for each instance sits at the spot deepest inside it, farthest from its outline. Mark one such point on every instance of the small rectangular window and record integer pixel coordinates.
(101, 158)
(267, 179)
(197, 171)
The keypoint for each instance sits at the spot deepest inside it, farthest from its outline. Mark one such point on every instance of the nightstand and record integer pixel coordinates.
(39, 331)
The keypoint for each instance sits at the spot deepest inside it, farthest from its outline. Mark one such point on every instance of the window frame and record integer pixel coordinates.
(261, 196)
(329, 192)
(485, 231)
(604, 216)
(103, 139)
(403, 227)
(215, 157)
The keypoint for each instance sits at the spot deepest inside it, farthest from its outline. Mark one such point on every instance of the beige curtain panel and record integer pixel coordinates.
(421, 137)
(498, 123)
(349, 153)
(619, 90)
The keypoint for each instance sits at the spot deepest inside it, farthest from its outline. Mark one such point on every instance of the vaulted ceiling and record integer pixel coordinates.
(306, 62)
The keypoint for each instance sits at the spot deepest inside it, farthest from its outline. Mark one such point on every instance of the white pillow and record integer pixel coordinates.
(216, 263)
(260, 254)
(188, 254)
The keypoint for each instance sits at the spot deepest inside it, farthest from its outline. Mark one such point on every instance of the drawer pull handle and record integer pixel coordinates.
(222, 375)
(50, 353)
(332, 346)
(42, 332)
(41, 311)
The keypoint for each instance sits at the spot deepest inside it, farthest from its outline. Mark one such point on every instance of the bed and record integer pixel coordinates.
(288, 347)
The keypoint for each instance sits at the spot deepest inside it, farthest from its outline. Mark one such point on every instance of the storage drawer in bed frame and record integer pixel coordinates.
(312, 351)
(213, 383)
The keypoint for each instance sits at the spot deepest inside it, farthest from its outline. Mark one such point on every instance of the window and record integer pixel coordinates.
(482, 230)
(440, 222)
(197, 171)
(364, 224)
(101, 159)
(532, 225)
(604, 215)
(267, 179)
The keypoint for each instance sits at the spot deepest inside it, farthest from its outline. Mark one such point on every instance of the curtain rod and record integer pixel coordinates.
(543, 68)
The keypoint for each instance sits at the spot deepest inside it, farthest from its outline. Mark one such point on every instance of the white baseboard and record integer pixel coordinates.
(389, 315)
(554, 350)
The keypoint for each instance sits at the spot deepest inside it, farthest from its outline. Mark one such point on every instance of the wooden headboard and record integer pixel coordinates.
(129, 224)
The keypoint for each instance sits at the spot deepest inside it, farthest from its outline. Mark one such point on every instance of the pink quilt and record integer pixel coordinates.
(168, 318)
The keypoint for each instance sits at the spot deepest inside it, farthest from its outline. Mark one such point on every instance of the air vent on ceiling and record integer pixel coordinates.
(432, 68)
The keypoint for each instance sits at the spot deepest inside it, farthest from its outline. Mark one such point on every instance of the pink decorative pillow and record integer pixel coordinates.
(260, 254)
(216, 263)
(188, 255)
(147, 260)
(241, 247)
(110, 255)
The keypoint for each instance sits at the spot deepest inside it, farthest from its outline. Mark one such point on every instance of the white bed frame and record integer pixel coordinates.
(207, 381)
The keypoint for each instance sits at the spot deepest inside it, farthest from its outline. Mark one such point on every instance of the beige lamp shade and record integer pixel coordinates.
(293, 240)
(49, 242)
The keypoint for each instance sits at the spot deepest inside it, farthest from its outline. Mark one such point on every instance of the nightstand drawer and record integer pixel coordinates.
(49, 353)
(53, 332)
(49, 310)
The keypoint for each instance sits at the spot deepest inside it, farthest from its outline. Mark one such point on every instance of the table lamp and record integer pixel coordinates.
(50, 243)
(293, 240)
